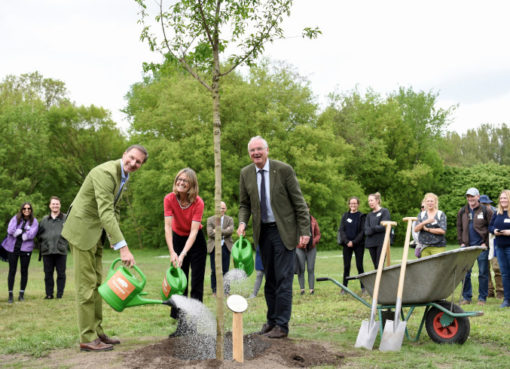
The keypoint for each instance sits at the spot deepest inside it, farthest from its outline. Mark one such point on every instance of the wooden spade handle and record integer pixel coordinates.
(386, 244)
(388, 259)
(403, 266)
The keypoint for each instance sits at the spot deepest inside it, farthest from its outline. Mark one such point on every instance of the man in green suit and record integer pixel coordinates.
(269, 192)
(93, 216)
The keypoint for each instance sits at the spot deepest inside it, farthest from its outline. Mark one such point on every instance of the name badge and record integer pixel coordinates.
(350, 220)
(434, 223)
(480, 216)
(507, 220)
(378, 215)
(470, 216)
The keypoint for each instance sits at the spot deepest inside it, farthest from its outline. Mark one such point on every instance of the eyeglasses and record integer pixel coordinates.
(29, 209)
(182, 180)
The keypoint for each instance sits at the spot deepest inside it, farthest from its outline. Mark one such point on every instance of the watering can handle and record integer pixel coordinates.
(140, 273)
(112, 267)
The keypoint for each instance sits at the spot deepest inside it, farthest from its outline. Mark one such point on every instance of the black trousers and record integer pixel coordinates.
(51, 263)
(375, 255)
(358, 251)
(225, 264)
(278, 264)
(195, 259)
(24, 260)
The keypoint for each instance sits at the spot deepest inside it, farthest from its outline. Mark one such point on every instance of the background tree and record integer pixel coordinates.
(193, 32)
(47, 143)
(484, 144)
(394, 141)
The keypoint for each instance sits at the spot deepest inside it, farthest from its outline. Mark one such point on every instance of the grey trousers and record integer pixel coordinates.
(306, 256)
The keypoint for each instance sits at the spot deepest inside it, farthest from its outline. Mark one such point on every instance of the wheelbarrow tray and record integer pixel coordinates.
(430, 278)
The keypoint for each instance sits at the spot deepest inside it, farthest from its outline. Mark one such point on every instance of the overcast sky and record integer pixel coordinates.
(456, 48)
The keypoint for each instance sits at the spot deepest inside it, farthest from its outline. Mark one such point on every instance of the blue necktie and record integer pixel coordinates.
(122, 182)
(263, 200)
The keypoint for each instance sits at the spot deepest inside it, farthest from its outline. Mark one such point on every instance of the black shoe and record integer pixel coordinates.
(21, 296)
(48, 297)
(11, 298)
(266, 328)
(277, 332)
(59, 296)
(179, 331)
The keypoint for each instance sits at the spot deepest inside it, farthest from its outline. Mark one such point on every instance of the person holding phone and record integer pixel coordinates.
(500, 227)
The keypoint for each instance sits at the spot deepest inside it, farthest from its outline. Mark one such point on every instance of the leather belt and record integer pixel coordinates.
(269, 225)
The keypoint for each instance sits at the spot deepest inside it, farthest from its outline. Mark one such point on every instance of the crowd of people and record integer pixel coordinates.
(286, 236)
(478, 224)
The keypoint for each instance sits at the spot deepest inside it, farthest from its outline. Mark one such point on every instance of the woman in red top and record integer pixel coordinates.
(184, 236)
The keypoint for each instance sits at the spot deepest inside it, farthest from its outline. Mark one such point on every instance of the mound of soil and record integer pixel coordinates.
(259, 352)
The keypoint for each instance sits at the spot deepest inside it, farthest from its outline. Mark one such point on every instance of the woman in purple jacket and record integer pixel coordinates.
(19, 243)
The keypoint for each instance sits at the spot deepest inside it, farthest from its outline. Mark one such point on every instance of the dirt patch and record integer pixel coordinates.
(259, 352)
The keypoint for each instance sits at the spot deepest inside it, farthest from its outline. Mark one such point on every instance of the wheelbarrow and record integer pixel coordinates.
(428, 282)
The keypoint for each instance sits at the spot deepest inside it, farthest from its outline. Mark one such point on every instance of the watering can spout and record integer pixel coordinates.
(138, 300)
(170, 302)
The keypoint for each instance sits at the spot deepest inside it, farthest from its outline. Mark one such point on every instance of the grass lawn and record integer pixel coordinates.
(38, 326)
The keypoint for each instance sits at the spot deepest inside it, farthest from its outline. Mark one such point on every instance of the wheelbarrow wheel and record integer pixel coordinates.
(457, 331)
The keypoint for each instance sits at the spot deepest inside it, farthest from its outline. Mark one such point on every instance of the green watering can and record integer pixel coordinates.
(242, 253)
(122, 289)
(174, 283)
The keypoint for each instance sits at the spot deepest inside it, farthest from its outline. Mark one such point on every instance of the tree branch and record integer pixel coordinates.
(181, 59)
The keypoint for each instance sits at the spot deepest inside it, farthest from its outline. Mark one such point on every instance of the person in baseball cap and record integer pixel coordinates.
(472, 192)
(473, 221)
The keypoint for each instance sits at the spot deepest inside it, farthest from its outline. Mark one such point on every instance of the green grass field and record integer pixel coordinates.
(37, 326)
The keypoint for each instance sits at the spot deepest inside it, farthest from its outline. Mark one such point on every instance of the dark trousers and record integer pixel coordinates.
(195, 259)
(51, 263)
(358, 251)
(375, 255)
(225, 264)
(278, 264)
(24, 260)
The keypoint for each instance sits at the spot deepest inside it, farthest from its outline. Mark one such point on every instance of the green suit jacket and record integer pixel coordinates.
(287, 202)
(93, 209)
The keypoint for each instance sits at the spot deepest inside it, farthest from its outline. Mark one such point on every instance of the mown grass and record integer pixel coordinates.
(37, 326)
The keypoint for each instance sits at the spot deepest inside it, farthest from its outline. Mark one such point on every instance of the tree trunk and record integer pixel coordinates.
(220, 313)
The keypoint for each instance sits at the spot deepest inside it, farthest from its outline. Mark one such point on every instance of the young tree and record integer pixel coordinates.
(193, 33)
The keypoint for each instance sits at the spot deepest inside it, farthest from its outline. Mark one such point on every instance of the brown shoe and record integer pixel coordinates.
(465, 302)
(491, 294)
(500, 295)
(266, 328)
(105, 339)
(277, 332)
(96, 345)
(481, 302)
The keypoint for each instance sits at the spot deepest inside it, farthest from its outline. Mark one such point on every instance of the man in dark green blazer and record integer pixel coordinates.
(93, 216)
(269, 192)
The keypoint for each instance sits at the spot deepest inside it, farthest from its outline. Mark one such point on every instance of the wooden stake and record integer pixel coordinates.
(237, 337)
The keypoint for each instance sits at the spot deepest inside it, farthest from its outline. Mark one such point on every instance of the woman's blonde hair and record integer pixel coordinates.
(192, 181)
(434, 196)
(500, 208)
(377, 197)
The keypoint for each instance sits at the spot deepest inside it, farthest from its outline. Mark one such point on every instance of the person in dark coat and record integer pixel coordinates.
(53, 248)
(352, 236)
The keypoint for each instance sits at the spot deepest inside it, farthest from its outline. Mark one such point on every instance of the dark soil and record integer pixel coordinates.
(259, 352)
